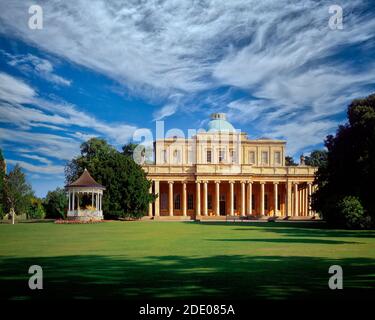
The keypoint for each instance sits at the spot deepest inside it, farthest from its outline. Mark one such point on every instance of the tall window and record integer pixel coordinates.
(233, 156)
(164, 156)
(209, 156)
(278, 157)
(163, 201)
(266, 202)
(251, 157)
(190, 201)
(221, 155)
(234, 202)
(177, 156)
(191, 158)
(253, 201)
(264, 157)
(209, 201)
(177, 201)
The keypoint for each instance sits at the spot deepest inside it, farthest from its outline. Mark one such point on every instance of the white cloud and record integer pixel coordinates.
(281, 52)
(47, 169)
(30, 63)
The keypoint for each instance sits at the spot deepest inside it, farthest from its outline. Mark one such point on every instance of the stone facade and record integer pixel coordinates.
(222, 172)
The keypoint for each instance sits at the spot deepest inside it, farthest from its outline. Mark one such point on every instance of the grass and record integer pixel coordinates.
(135, 260)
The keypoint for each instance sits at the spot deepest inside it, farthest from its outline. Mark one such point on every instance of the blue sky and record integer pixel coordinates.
(100, 68)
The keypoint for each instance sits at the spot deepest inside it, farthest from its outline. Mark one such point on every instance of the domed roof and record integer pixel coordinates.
(219, 123)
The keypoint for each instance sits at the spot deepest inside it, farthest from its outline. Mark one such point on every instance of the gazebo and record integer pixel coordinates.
(85, 188)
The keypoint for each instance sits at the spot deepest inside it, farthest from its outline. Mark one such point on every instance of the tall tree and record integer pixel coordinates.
(350, 166)
(317, 158)
(56, 204)
(18, 192)
(2, 181)
(127, 187)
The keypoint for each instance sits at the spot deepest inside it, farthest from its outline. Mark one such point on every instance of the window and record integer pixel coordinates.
(177, 202)
(191, 158)
(164, 156)
(177, 156)
(251, 157)
(234, 202)
(264, 157)
(209, 156)
(190, 201)
(209, 201)
(253, 201)
(221, 155)
(266, 202)
(233, 156)
(278, 157)
(163, 201)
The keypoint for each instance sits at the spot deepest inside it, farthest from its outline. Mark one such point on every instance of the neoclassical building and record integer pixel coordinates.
(222, 172)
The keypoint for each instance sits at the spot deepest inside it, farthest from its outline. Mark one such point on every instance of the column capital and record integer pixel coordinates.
(275, 182)
(231, 182)
(198, 182)
(249, 181)
(296, 183)
(262, 182)
(242, 181)
(183, 182)
(171, 182)
(217, 181)
(309, 183)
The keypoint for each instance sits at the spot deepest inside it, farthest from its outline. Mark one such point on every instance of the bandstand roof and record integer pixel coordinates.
(85, 181)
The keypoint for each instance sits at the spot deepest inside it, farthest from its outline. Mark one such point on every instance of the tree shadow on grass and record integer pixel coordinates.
(296, 229)
(288, 240)
(181, 277)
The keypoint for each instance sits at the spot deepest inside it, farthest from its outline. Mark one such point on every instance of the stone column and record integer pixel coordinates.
(243, 198)
(217, 198)
(262, 213)
(288, 200)
(157, 200)
(184, 198)
(198, 201)
(296, 207)
(205, 195)
(309, 186)
(249, 197)
(231, 204)
(275, 197)
(150, 204)
(170, 198)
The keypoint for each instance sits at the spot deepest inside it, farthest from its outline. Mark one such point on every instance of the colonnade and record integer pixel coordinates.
(297, 197)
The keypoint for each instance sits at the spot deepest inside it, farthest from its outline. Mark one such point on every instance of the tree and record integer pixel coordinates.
(35, 210)
(289, 161)
(350, 166)
(127, 187)
(2, 181)
(17, 192)
(317, 158)
(56, 204)
(128, 149)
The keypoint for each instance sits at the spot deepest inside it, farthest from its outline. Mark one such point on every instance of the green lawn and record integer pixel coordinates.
(185, 260)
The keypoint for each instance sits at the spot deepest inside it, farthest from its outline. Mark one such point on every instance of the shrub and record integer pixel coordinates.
(351, 209)
(113, 215)
(36, 210)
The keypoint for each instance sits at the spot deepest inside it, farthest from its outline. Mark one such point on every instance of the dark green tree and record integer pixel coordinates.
(18, 192)
(127, 187)
(128, 149)
(35, 210)
(56, 204)
(350, 166)
(317, 158)
(289, 161)
(2, 181)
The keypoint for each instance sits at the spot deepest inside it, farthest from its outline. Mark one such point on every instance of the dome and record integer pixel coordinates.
(219, 123)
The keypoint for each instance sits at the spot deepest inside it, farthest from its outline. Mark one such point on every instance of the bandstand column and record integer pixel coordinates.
(295, 199)
(92, 198)
(205, 198)
(249, 197)
(243, 198)
(198, 200)
(69, 205)
(231, 205)
(157, 200)
(170, 198)
(184, 198)
(217, 198)
(262, 198)
(73, 200)
(275, 197)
